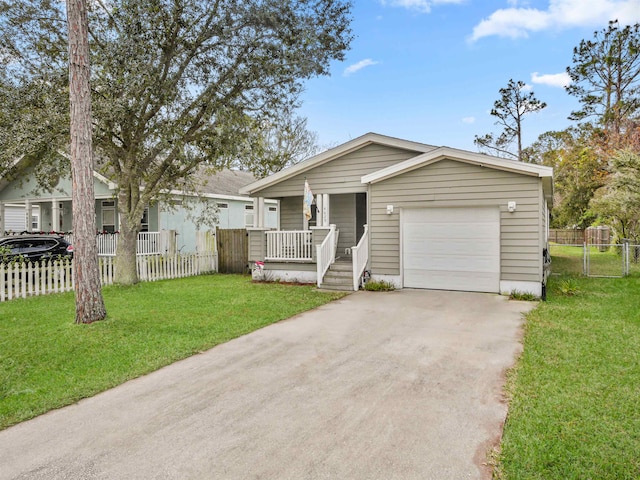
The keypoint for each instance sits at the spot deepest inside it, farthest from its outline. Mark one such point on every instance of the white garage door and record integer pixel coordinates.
(451, 248)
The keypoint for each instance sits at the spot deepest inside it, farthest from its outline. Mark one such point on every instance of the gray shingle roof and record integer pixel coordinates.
(224, 182)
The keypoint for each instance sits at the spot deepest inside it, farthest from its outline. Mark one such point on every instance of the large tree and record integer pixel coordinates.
(175, 83)
(618, 203)
(578, 172)
(89, 302)
(606, 77)
(515, 102)
(272, 146)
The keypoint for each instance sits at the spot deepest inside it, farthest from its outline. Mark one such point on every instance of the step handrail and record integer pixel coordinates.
(360, 257)
(325, 254)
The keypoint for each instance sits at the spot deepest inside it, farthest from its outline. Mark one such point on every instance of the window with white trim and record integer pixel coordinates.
(144, 222)
(248, 215)
(109, 216)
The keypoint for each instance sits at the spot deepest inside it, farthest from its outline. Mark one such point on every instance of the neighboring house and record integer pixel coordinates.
(412, 214)
(24, 208)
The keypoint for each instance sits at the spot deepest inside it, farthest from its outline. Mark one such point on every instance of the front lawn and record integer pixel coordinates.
(575, 406)
(46, 361)
(606, 262)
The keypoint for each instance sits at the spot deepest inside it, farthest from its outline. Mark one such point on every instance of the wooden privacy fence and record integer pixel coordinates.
(25, 279)
(233, 250)
(574, 236)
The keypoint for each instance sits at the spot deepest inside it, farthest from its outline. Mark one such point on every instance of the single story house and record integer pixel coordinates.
(24, 207)
(412, 214)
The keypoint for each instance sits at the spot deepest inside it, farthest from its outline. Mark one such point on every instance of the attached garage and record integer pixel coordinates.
(454, 220)
(451, 248)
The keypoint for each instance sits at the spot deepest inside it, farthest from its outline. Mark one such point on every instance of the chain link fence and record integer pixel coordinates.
(606, 260)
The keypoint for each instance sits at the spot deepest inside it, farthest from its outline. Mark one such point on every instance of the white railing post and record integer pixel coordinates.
(360, 257)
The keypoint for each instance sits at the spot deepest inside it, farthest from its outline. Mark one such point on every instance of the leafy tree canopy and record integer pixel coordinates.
(175, 84)
(618, 203)
(277, 144)
(579, 170)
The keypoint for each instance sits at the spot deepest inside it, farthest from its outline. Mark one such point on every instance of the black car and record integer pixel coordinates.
(34, 247)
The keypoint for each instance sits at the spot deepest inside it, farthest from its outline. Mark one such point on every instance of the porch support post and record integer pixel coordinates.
(320, 215)
(55, 215)
(27, 215)
(325, 209)
(1, 218)
(255, 212)
(261, 212)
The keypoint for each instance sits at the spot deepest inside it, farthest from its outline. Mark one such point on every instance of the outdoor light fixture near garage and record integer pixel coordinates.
(511, 206)
(389, 209)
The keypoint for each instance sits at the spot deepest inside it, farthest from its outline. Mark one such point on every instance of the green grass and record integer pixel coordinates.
(379, 286)
(46, 361)
(575, 392)
(568, 260)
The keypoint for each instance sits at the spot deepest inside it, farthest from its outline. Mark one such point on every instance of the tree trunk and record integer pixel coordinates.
(126, 272)
(89, 302)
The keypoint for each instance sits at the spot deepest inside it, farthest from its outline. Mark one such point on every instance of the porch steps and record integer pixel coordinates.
(339, 276)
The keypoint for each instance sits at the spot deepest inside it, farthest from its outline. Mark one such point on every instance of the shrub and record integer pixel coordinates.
(379, 286)
(526, 296)
(568, 287)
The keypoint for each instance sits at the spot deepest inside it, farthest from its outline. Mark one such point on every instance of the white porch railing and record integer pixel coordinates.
(289, 245)
(326, 254)
(149, 243)
(360, 256)
(106, 243)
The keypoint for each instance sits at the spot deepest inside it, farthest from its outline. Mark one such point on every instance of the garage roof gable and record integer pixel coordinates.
(482, 160)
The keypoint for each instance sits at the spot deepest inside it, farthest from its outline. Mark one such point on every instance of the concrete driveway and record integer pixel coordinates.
(397, 385)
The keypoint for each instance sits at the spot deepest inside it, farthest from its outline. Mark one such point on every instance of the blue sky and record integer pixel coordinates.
(430, 70)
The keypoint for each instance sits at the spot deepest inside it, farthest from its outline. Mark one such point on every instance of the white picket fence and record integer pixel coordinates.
(26, 279)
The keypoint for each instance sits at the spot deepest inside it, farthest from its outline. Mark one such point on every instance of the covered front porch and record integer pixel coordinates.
(329, 249)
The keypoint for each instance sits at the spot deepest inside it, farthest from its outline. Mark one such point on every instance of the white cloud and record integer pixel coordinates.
(423, 6)
(367, 62)
(469, 120)
(526, 88)
(560, 14)
(551, 79)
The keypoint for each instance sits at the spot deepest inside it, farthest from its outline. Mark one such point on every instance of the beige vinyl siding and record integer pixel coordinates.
(257, 245)
(291, 213)
(341, 175)
(451, 183)
(290, 266)
(342, 213)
